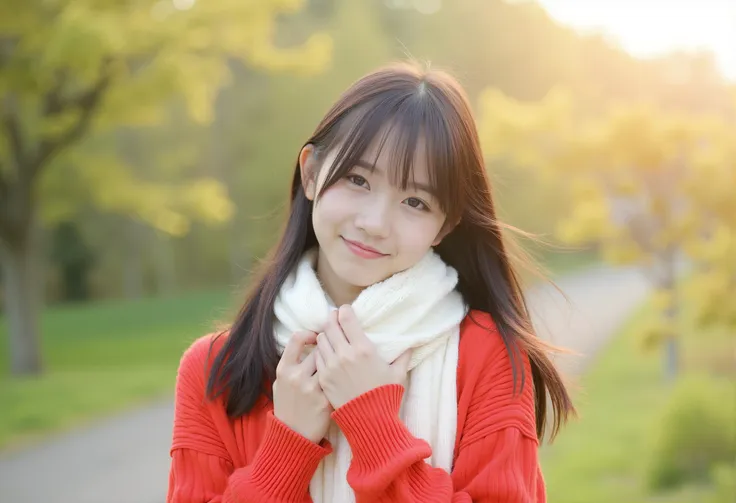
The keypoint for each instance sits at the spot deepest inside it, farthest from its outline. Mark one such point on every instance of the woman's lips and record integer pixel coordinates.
(362, 250)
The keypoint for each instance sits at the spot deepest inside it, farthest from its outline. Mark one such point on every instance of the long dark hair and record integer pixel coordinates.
(416, 104)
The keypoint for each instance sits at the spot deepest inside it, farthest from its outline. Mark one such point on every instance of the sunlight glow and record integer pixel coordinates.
(652, 27)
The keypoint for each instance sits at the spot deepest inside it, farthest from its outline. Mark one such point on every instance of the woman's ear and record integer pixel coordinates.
(308, 168)
(446, 229)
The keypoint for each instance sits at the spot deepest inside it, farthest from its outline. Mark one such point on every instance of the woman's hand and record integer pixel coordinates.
(348, 364)
(298, 400)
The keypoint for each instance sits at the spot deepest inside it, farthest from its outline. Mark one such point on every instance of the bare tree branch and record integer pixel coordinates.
(11, 124)
(25, 163)
(88, 102)
(54, 102)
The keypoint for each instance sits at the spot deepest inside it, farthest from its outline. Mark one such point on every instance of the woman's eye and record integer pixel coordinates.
(357, 180)
(417, 203)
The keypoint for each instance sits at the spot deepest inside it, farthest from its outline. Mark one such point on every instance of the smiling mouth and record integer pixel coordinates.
(362, 250)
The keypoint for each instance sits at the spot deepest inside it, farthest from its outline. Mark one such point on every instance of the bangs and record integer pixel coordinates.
(411, 127)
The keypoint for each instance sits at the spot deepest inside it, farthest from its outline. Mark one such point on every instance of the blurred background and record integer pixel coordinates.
(146, 149)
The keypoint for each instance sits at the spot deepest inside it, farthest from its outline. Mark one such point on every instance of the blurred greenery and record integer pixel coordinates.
(606, 455)
(103, 358)
(697, 434)
(108, 356)
(157, 139)
(646, 184)
(124, 185)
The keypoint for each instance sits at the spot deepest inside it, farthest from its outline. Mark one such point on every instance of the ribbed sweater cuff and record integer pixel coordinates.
(381, 444)
(286, 461)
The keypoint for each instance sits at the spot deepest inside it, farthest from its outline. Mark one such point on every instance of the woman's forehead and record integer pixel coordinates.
(391, 153)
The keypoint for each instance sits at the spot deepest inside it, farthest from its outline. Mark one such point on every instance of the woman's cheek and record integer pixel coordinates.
(417, 235)
(334, 204)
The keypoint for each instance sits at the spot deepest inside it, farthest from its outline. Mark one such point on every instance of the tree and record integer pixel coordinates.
(71, 254)
(712, 291)
(73, 74)
(647, 186)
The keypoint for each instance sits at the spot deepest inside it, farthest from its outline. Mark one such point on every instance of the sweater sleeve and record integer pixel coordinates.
(496, 460)
(201, 468)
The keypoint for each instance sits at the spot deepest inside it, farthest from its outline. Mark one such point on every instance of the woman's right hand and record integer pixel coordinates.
(298, 399)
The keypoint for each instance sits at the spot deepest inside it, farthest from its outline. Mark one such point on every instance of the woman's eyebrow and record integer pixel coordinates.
(372, 167)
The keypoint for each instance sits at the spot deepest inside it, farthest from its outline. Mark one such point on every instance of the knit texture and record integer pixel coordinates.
(416, 309)
(255, 458)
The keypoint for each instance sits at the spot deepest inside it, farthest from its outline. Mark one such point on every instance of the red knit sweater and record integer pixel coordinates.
(256, 458)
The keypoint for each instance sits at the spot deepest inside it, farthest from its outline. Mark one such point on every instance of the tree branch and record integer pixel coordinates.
(88, 102)
(12, 126)
(54, 103)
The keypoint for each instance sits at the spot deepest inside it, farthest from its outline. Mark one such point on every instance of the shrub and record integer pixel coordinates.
(697, 432)
(724, 483)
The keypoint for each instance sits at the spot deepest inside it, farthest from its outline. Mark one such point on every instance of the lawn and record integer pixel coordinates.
(101, 358)
(602, 457)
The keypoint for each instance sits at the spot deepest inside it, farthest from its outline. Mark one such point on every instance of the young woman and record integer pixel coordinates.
(385, 353)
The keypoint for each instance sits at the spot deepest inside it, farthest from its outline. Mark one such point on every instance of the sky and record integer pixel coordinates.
(652, 27)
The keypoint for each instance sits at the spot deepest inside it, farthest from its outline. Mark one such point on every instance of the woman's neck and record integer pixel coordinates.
(339, 291)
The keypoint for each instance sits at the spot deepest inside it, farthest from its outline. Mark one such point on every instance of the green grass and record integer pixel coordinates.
(101, 358)
(602, 457)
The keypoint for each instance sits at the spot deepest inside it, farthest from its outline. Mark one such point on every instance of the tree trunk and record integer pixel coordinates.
(20, 285)
(671, 358)
(671, 345)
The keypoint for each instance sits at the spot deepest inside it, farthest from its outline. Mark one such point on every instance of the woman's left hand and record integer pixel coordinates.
(348, 363)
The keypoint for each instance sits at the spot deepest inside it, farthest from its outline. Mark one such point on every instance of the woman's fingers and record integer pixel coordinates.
(308, 366)
(325, 349)
(319, 361)
(335, 335)
(350, 326)
(295, 346)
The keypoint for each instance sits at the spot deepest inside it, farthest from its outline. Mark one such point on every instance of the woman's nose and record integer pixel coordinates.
(375, 218)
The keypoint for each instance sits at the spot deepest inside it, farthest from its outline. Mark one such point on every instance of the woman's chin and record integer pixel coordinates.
(359, 278)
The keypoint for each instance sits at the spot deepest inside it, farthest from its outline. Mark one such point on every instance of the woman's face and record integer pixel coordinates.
(368, 228)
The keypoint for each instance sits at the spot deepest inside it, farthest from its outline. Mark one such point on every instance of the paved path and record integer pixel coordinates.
(125, 459)
(598, 301)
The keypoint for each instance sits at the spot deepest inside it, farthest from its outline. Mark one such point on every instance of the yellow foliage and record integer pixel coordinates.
(515, 130)
(166, 221)
(642, 181)
(621, 251)
(208, 199)
(125, 64)
(712, 294)
(652, 333)
(169, 49)
(55, 126)
(110, 185)
(662, 299)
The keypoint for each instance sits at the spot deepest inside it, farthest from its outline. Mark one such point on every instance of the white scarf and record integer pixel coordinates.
(418, 308)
